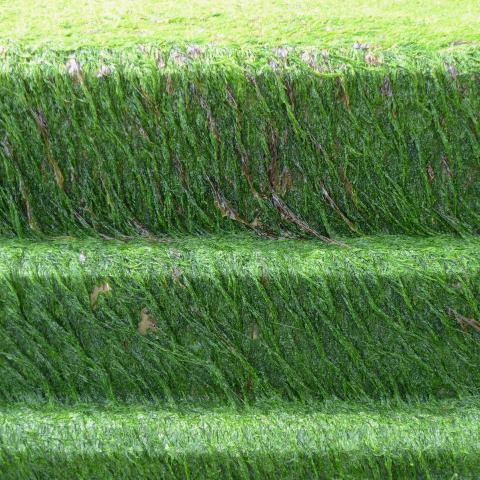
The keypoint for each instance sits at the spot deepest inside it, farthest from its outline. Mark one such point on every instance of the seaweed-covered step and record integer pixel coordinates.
(332, 440)
(237, 319)
(157, 141)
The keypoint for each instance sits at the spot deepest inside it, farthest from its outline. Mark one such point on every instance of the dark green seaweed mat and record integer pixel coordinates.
(149, 141)
(239, 319)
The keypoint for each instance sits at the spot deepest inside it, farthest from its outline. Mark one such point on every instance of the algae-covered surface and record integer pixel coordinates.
(347, 440)
(236, 319)
(239, 239)
(166, 141)
(323, 23)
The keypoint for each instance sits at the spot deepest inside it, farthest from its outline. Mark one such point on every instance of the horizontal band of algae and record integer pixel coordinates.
(149, 142)
(350, 440)
(238, 319)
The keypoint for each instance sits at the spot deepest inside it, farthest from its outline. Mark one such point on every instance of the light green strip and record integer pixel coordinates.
(346, 438)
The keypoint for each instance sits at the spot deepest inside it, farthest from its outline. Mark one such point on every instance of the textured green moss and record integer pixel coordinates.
(345, 144)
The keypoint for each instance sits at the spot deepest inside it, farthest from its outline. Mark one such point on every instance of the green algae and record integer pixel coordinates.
(333, 439)
(239, 319)
(158, 142)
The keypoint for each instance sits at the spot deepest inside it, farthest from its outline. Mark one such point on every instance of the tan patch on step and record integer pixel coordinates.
(147, 322)
(177, 276)
(372, 60)
(463, 321)
(255, 332)
(98, 290)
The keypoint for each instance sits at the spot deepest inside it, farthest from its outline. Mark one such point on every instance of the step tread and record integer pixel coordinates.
(237, 252)
(354, 437)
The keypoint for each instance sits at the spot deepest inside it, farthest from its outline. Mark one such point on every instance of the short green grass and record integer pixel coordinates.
(324, 23)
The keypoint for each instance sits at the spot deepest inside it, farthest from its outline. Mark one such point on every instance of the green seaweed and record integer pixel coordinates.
(159, 142)
(239, 319)
(331, 440)
(239, 263)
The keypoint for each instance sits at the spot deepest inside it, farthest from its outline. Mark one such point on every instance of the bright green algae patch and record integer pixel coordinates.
(151, 142)
(237, 319)
(335, 439)
(66, 24)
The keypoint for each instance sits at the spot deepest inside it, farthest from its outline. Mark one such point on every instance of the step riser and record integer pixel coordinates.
(239, 329)
(411, 464)
(352, 149)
